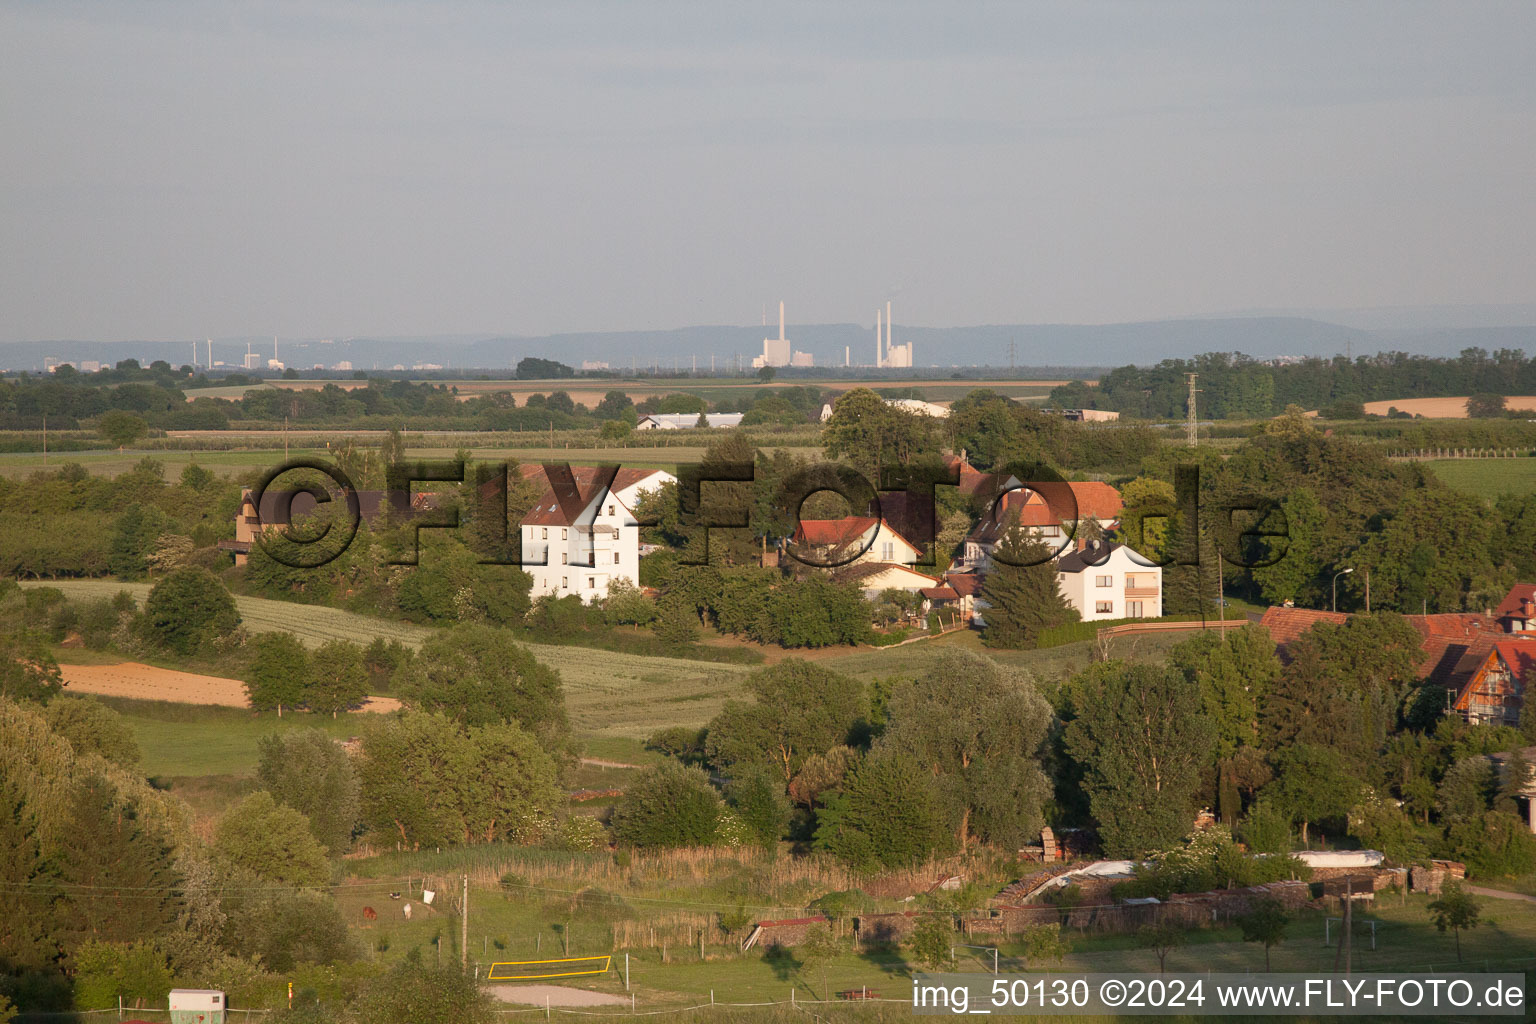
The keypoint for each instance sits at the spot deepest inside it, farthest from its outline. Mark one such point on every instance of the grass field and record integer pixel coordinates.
(1487, 478)
(188, 739)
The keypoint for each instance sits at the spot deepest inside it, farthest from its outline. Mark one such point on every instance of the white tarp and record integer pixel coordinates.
(1340, 858)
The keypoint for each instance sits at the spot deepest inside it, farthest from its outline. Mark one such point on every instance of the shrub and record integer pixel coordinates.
(187, 609)
(668, 805)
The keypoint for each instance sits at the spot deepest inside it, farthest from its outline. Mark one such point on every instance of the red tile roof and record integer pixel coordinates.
(966, 584)
(1052, 504)
(1512, 605)
(1286, 624)
(833, 532)
(940, 593)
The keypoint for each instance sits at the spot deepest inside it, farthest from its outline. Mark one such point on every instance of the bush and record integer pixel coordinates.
(188, 609)
(668, 805)
(93, 728)
(579, 833)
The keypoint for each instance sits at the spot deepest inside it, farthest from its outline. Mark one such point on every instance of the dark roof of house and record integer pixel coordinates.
(1083, 560)
(966, 584)
(563, 505)
(833, 532)
(940, 593)
(1452, 645)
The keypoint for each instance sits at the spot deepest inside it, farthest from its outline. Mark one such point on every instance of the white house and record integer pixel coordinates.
(588, 540)
(687, 420)
(834, 540)
(1113, 582)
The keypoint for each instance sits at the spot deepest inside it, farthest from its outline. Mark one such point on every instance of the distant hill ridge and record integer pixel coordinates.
(1034, 345)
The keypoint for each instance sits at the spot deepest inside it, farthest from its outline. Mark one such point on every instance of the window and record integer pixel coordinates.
(887, 551)
(563, 558)
(1104, 607)
(562, 534)
(591, 582)
(565, 583)
(610, 510)
(544, 533)
(1103, 581)
(615, 558)
(1051, 531)
(1133, 609)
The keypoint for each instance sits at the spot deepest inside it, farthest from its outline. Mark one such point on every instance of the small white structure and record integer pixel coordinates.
(687, 420)
(917, 405)
(1113, 582)
(582, 545)
(197, 1006)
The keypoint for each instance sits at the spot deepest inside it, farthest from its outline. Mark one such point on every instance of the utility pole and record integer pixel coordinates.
(464, 926)
(1191, 430)
(45, 439)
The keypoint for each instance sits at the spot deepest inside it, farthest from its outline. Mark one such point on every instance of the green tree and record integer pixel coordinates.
(1265, 923)
(273, 841)
(307, 770)
(28, 670)
(93, 728)
(426, 781)
(135, 534)
(188, 609)
(869, 434)
(1138, 734)
(978, 727)
(757, 797)
(889, 814)
(478, 675)
(136, 972)
(412, 991)
(25, 881)
(1456, 911)
(120, 427)
(278, 672)
(1233, 672)
(117, 881)
(816, 951)
(798, 709)
(765, 374)
(1162, 938)
(337, 679)
(1485, 405)
(667, 805)
(1295, 569)
(933, 941)
(289, 928)
(1022, 599)
(1313, 784)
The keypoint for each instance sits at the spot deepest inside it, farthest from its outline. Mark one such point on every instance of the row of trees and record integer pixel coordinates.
(1236, 386)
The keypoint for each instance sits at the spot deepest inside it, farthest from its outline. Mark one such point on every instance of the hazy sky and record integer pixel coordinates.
(174, 170)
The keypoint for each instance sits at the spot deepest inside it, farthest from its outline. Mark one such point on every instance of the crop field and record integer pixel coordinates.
(1487, 478)
(608, 694)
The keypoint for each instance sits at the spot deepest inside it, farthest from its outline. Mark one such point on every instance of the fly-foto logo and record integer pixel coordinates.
(1246, 532)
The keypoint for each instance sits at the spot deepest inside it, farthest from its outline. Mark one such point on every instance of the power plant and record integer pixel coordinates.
(887, 355)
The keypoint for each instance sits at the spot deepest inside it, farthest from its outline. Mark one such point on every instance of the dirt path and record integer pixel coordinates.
(1500, 894)
(147, 682)
(556, 995)
(598, 762)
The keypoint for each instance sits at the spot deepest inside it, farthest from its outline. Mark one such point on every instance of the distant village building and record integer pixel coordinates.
(1111, 583)
(687, 420)
(1090, 415)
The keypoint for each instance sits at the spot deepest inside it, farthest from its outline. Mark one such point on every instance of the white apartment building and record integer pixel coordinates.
(579, 543)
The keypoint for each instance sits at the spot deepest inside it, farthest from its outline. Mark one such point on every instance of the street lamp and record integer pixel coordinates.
(1344, 572)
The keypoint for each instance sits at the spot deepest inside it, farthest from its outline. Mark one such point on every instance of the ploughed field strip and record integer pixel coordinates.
(607, 693)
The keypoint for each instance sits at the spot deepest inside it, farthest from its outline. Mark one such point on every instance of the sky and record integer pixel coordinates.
(179, 170)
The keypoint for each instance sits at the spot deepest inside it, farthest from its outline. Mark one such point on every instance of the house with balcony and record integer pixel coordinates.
(1112, 582)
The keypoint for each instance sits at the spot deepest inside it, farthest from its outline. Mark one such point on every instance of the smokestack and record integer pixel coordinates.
(781, 319)
(847, 355)
(889, 341)
(210, 353)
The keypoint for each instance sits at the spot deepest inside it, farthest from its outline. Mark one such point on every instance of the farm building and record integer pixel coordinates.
(580, 540)
(687, 420)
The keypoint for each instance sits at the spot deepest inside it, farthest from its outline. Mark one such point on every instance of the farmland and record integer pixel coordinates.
(1487, 478)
